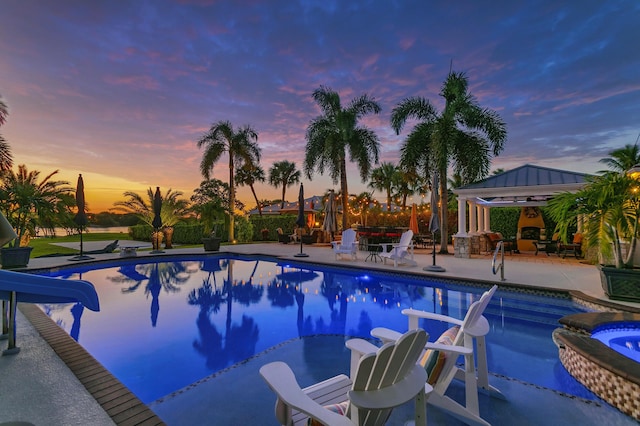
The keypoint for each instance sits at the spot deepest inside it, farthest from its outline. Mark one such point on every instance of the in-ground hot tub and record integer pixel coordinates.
(608, 373)
(623, 338)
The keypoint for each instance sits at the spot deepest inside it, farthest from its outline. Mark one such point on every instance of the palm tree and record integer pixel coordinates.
(6, 159)
(462, 134)
(248, 175)
(29, 204)
(360, 205)
(330, 135)
(407, 183)
(173, 209)
(383, 178)
(623, 159)
(4, 112)
(283, 173)
(240, 144)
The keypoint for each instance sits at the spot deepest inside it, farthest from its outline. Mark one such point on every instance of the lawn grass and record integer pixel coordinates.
(45, 246)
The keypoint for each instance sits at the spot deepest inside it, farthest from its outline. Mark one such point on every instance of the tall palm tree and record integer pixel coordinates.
(384, 178)
(28, 203)
(283, 173)
(622, 159)
(330, 135)
(463, 134)
(248, 175)
(6, 159)
(240, 144)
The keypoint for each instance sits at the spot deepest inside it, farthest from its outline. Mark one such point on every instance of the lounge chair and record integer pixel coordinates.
(348, 245)
(575, 247)
(382, 379)
(109, 248)
(440, 357)
(493, 238)
(401, 252)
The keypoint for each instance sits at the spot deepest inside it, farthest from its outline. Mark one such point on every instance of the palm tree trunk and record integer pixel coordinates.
(284, 190)
(345, 192)
(444, 223)
(253, 191)
(388, 199)
(232, 199)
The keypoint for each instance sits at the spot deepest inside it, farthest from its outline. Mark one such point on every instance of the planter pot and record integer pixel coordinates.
(168, 237)
(156, 240)
(621, 284)
(211, 244)
(16, 257)
(308, 239)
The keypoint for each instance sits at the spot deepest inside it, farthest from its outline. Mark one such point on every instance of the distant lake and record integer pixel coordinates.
(61, 232)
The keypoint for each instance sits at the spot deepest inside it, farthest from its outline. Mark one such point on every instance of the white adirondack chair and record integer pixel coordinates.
(384, 378)
(401, 252)
(348, 245)
(474, 326)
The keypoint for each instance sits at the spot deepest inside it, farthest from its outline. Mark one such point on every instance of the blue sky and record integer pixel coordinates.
(121, 91)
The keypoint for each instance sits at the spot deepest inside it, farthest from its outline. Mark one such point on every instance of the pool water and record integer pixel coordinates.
(622, 339)
(164, 325)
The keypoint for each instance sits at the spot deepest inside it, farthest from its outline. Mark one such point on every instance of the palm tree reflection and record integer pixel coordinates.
(239, 341)
(159, 276)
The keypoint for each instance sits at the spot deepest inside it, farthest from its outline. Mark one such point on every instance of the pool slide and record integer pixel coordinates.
(21, 287)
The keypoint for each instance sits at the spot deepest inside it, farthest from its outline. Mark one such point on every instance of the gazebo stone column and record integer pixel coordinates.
(462, 241)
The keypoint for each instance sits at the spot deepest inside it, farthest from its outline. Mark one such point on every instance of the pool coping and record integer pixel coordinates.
(115, 398)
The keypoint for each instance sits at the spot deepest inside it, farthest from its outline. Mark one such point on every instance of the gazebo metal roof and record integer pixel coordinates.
(526, 185)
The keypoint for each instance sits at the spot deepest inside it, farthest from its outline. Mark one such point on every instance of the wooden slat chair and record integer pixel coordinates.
(401, 252)
(440, 358)
(348, 245)
(383, 379)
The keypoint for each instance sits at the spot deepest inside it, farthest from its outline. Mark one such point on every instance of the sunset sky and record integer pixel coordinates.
(120, 91)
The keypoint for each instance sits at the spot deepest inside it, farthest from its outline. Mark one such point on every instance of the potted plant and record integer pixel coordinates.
(27, 204)
(212, 243)
(610, 206)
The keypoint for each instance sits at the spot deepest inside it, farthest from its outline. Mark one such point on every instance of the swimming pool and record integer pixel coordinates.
(165, 324)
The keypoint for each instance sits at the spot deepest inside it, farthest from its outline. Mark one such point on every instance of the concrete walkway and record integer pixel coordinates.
(37, 387)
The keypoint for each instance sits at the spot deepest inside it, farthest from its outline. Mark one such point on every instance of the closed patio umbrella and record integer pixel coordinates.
(301, 221)
(157, 220)
(434, 222)
(330, 219)
(413, 222)
(80, 218)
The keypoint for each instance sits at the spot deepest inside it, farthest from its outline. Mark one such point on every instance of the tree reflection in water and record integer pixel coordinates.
(159, 276)
(239, 341)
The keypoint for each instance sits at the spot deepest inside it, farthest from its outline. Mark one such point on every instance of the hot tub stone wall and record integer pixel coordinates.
(610, 375)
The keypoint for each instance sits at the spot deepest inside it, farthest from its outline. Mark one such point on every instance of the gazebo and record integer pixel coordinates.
(524, 186)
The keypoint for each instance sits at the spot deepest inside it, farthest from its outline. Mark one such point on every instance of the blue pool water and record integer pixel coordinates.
(622, 338)
(165, 324)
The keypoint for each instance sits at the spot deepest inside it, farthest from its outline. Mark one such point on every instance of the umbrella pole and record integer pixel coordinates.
(433, 237)
(434, 267)
(81, 244)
